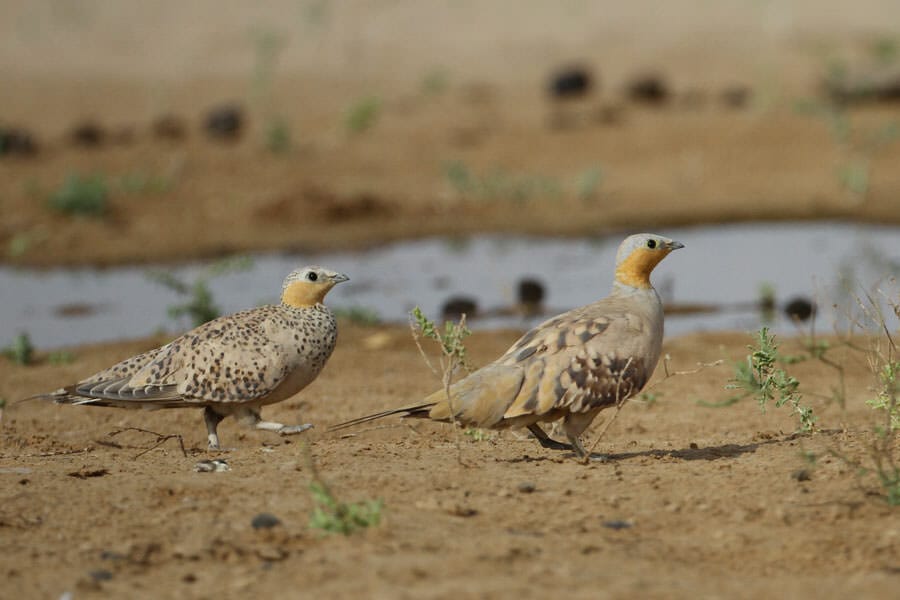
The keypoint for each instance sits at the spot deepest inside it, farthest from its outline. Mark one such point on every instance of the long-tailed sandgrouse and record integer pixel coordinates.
(571, 366)
(233, 365)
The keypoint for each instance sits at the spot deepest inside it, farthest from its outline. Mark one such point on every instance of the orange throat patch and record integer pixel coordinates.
(301, 294)
(635, 270)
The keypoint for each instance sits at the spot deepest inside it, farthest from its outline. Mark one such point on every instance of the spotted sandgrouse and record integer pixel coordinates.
(571, 366)
(233, 365)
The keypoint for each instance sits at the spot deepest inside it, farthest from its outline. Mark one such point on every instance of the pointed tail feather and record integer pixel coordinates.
(419, 410)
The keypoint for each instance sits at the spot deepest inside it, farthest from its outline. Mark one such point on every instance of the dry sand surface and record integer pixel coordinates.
(693, 502)
(710, 502)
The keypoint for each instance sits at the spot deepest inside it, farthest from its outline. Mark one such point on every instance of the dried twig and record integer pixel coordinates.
(161, 438)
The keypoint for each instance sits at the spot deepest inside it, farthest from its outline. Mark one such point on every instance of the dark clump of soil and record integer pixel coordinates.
(224, 122)
(650, 88)
(570, 82)
(15, 141)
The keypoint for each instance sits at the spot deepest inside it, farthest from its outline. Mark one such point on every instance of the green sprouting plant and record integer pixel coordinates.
(588, 182)
(201, 306)
(758, 377)
(333, 516)
(453, 351)
(21, 351)
(83, 195)
(435, 82)
(362, 114)
(499, 184)
(60, 357)
(477, 435)
(887, 392)
(278, 136)
(358, 315)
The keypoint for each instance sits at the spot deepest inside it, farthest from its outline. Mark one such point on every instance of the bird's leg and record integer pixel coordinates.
(545, 440)
(212, 419)
(574, 425)
(254, 419)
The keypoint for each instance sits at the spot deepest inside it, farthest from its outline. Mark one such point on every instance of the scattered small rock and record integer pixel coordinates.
(801, 475)
(694, 446)
(17, 141)
(530, 292)
(85, 473)
(617, 524)
(169, 127)
(457, 306)
(100, 575)
(570, 82)
(265, 521)
(224, 122)
(88, 134)
(217, 465)
(800, 309)
(189, 578)
(526, 487)
(650, 88)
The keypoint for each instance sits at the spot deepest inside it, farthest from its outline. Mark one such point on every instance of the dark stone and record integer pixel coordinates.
(457, 306)
(801, 475)
(617, 524)
(570, 82)
(169, 127)
(530, 292)
(265, 521)
(527, 487)
(649, 89)
(88, 134)
(17, 141)
(101, 575)
(800, 309)
(224, 122)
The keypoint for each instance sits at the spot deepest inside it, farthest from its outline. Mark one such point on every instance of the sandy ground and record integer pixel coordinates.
(711, 502)
(694, 502)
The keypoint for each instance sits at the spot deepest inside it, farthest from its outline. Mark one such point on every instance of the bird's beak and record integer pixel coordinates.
(673, 245)
(339, 278)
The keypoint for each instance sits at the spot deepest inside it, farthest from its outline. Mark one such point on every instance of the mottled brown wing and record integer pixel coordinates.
(576, 364)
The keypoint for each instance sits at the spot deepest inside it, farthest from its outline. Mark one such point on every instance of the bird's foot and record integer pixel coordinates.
(292, 429)
(281, 428)
(545, 440)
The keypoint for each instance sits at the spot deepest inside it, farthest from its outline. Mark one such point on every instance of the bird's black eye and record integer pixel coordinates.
(312, 276)
(651, 243)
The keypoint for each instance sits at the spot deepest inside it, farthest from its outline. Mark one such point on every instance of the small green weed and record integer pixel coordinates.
(278, 136)
(201, 306)
(758, 377)
(60, 357)
(363, 114)
(450, 339)
(333, 516)
(499, 184)
(435, 82)
(477, 435)
(82, 195)
(21, 351)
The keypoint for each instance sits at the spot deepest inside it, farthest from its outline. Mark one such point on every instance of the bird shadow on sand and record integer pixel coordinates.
(692, 452)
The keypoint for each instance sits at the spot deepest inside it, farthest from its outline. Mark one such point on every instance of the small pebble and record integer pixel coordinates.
(224, 122)
(265, 521)
(617, 524)
(217, 465)
(801, 475)
(526, 487)
(101, 575)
